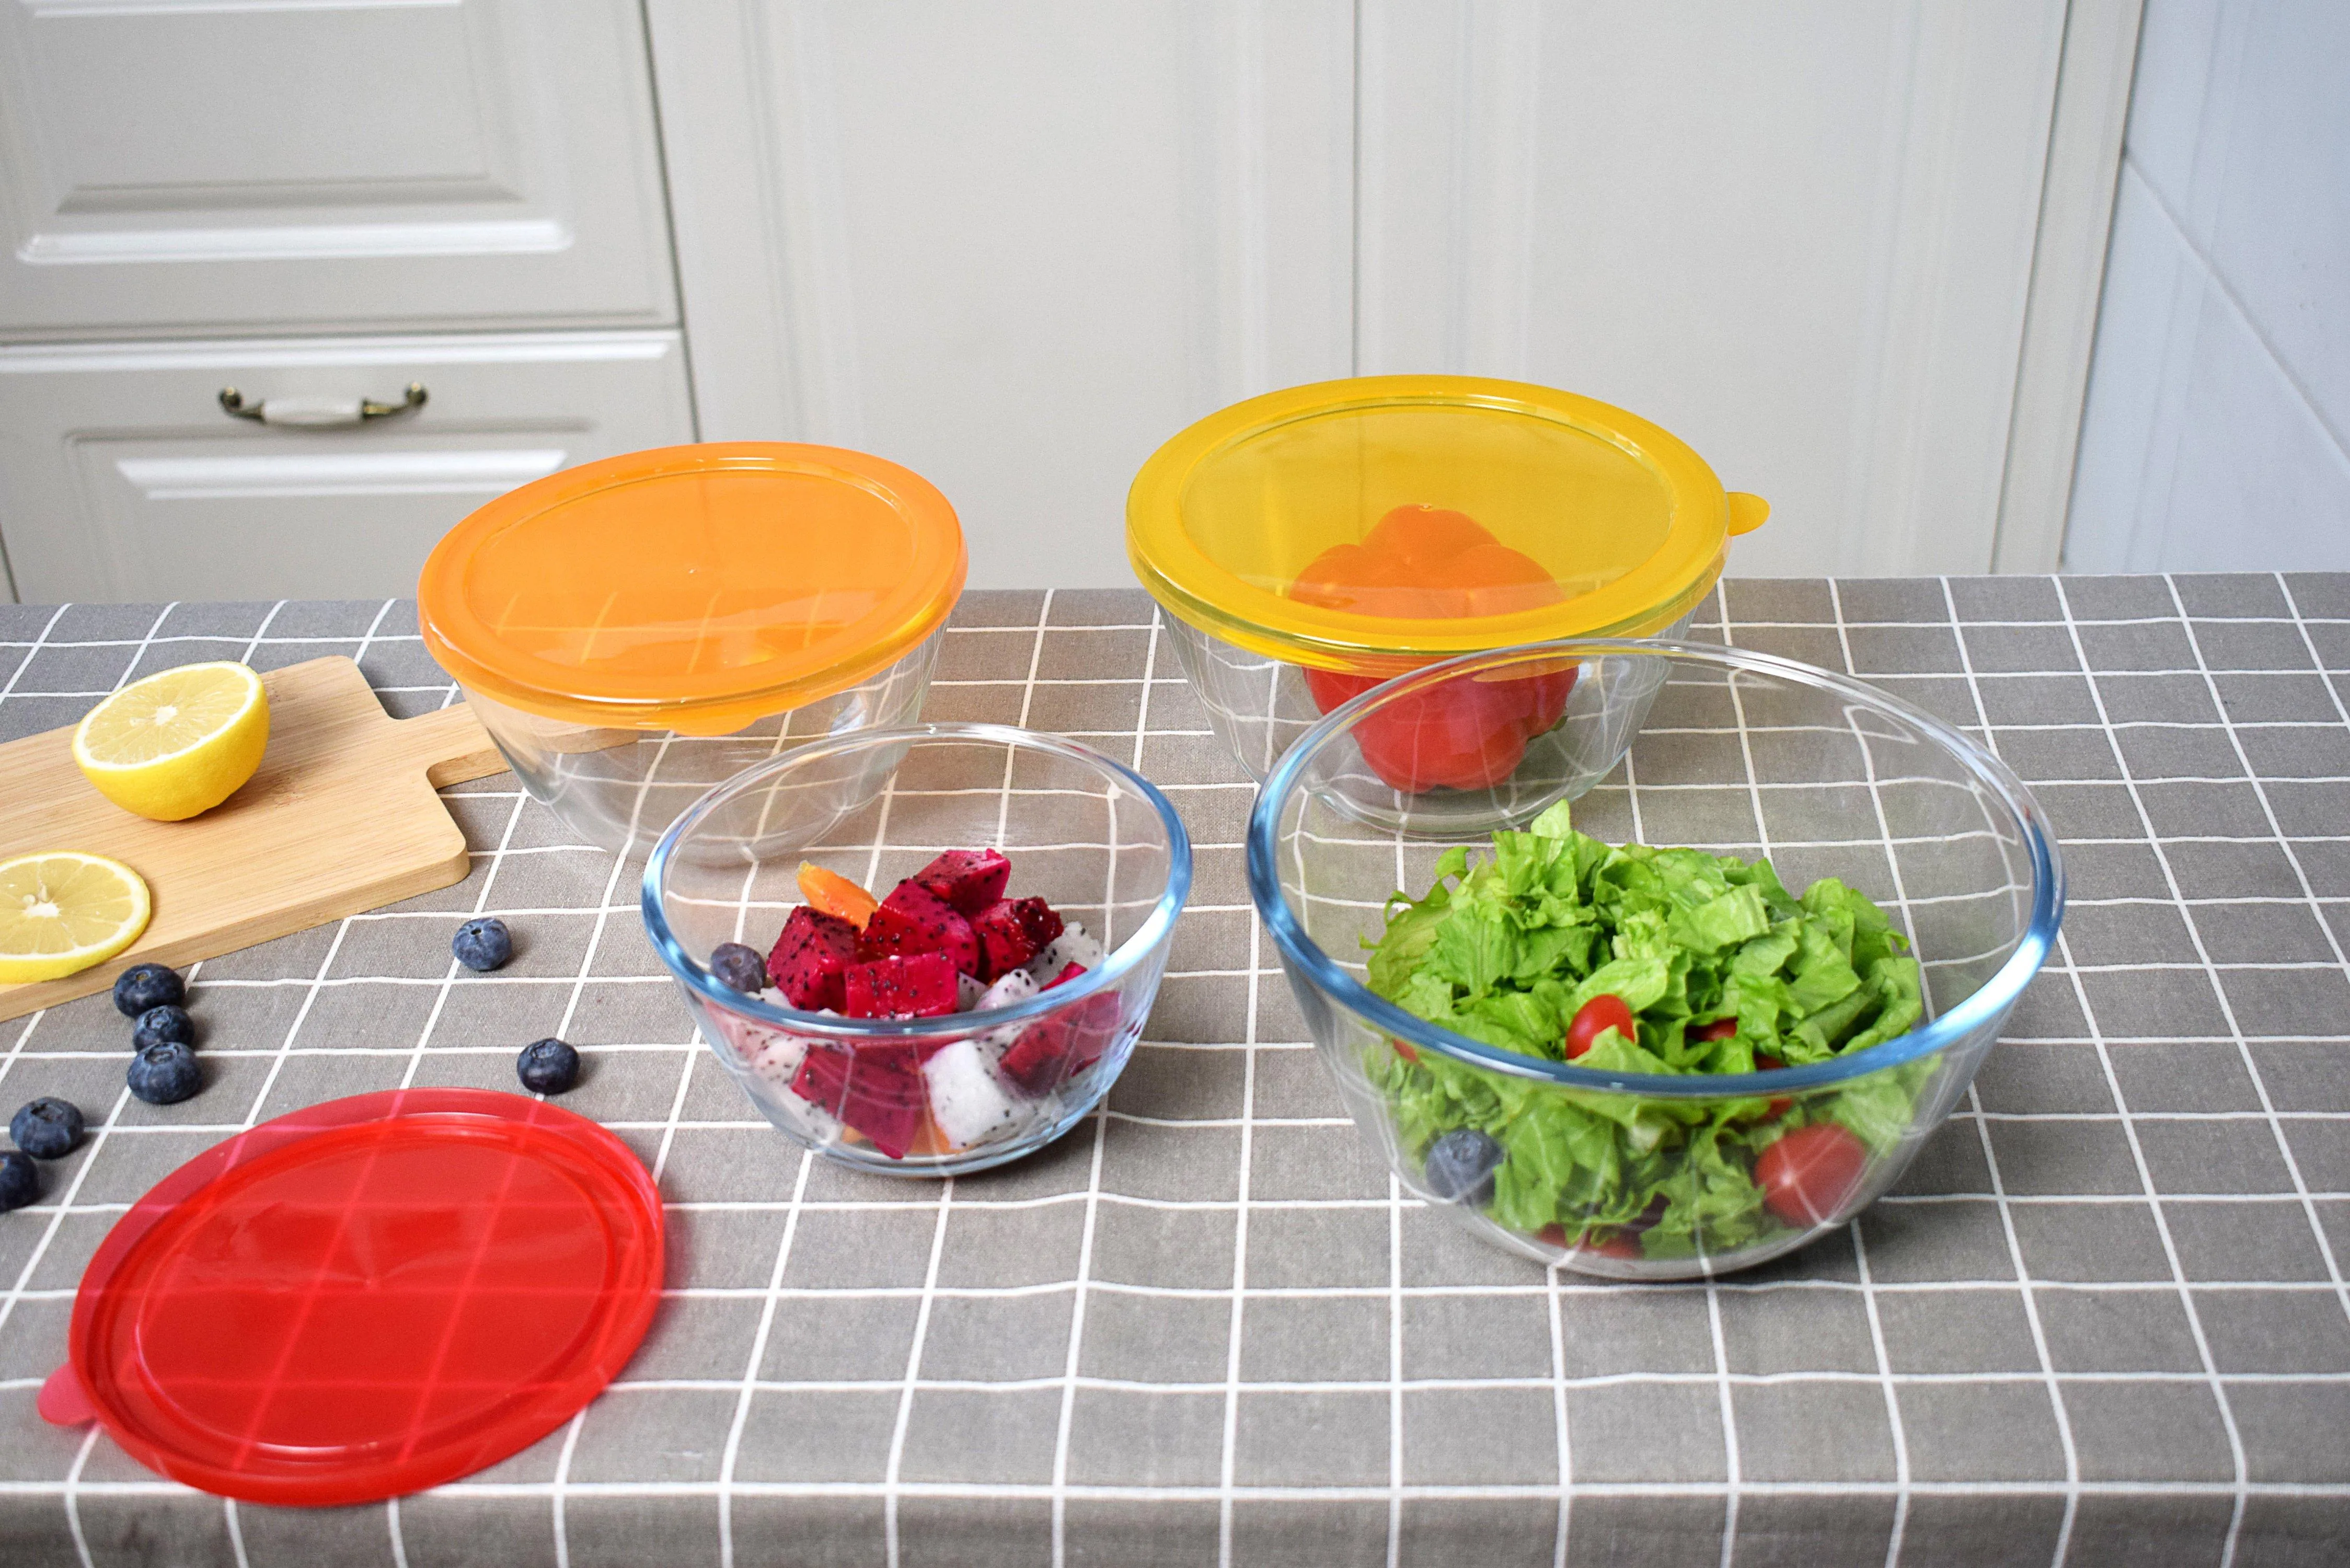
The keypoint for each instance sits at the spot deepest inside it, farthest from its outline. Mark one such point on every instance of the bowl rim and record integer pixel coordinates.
(1194, 585)
(1985, 1003)
(698, 980)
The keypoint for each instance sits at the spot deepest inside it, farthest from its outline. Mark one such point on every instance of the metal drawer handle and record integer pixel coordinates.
(318, 412)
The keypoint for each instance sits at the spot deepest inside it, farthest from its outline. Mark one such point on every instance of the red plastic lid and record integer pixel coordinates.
(369, 1297)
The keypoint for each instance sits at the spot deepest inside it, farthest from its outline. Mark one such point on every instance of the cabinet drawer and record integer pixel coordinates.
(122, 477)
(192, 168)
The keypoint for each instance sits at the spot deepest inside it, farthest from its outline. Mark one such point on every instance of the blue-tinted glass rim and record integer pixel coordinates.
(1986, 1003)
(696, 978)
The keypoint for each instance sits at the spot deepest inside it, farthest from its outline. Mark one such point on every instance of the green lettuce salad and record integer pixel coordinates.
(1719, 967)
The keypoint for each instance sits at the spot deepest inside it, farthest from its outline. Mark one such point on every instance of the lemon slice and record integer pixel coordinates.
(62, 911)
(178, 743)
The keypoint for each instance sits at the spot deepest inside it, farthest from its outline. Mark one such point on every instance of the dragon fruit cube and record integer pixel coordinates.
(911, 920)
(1059, 1046)
(877, 1089)
(967, 880)
(920, 986)
(809, 957)
(1039, 919)
(967, 1102)
(1005, 941)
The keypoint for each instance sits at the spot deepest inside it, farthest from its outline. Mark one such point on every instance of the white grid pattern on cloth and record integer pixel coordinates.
(1559, 1294)
(2062, 1417)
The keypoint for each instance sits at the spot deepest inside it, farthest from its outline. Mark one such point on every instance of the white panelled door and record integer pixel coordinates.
(1797, 235)
(191, 167)
(1016, 246)
(1013, 246)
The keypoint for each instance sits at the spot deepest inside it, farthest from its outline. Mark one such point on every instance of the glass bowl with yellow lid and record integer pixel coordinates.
(635, 630)
(1310, 544)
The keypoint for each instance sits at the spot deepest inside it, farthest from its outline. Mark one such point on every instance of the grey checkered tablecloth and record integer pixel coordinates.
(2103, 1320)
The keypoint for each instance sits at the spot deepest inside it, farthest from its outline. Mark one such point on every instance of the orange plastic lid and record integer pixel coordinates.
(1374, 524)
(697, 588)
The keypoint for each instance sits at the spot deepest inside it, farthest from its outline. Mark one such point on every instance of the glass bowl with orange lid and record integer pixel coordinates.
(1310, 544)
(635, 630)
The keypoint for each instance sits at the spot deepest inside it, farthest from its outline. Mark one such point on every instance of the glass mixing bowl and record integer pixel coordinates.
(1311, 543)
(1742, 754)
(1092, 838)
(635, 630)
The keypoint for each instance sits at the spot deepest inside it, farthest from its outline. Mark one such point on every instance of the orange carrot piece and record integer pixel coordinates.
(830, 893)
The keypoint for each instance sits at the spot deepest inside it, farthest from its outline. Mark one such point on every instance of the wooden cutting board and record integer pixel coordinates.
(340, 819)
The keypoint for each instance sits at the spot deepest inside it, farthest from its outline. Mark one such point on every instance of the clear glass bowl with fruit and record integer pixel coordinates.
(1685, 1018)
(935, 979)
(1311, 543)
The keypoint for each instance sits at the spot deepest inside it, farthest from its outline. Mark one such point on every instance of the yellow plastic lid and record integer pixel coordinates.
(696, 589)
(1236, 525)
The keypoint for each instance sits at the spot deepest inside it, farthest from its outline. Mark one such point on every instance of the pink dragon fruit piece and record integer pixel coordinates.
(1067, 975)
(913, 985)
(1005, 942)
(969, 879)
(1063, 1045)
(877, 1089)
(1039, 918)
(809, 957)
(912, 919)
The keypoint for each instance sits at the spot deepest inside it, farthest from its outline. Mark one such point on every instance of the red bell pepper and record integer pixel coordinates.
(1424, 562)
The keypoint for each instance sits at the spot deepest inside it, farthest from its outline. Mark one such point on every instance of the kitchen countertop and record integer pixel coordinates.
(2103, 1319)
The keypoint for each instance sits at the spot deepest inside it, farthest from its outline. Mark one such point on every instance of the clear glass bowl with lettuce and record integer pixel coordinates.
(1682, 1019)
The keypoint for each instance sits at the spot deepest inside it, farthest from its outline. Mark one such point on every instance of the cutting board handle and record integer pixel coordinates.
(450, 744)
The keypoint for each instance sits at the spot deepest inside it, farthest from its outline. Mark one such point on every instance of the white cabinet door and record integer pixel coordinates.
(1016, 246)
(1799, 236)
(189, 167)
(1013, 246)
(121, 477)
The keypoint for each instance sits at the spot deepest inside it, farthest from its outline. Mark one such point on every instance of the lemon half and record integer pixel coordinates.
(178, 743)
(62, 911)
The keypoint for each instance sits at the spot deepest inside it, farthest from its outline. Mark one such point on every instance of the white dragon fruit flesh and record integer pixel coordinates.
(1014, 986)
(967, 1102)
(1074, 945)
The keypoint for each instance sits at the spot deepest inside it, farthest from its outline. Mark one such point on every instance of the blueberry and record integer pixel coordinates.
(547, 1066)
(158, 1025)
(165, 1074)
(483, 945)
(19, 1182)
(1460, 1165)
(739, 968)
(46, 1128)
(143, 986)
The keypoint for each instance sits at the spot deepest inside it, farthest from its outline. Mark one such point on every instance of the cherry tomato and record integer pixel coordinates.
(1766, 1062)
(1810, 1173)
(1719, 1029)
(1602, 1013)
(1403, 1049)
